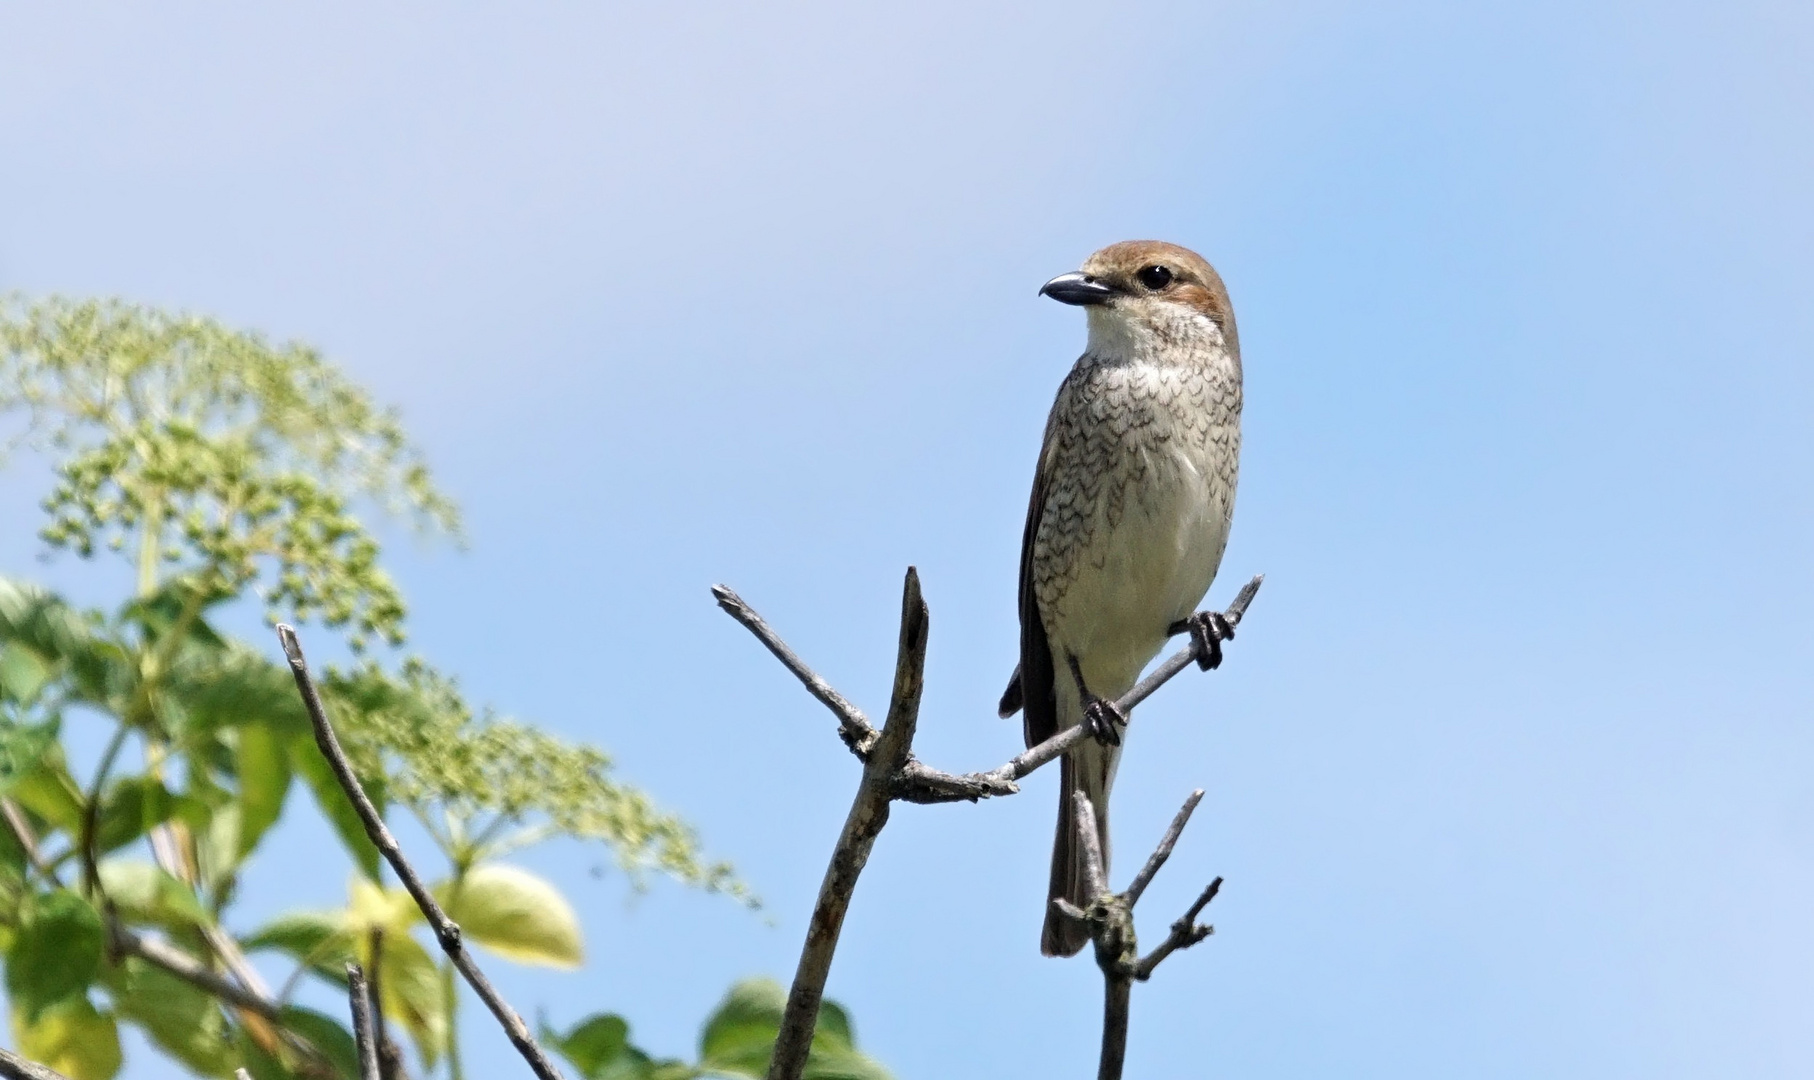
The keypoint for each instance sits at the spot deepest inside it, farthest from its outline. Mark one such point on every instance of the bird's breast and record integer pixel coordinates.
(1140, 472)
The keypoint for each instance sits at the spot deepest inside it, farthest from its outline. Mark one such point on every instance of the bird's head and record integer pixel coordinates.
(1145, 294)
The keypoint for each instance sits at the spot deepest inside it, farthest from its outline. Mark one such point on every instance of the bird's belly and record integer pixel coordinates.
(1145, 568)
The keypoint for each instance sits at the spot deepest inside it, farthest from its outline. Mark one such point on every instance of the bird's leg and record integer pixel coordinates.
(1101, 717)
(1208, 630)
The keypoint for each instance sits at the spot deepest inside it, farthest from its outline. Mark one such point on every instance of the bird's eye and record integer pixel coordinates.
(1155, 277)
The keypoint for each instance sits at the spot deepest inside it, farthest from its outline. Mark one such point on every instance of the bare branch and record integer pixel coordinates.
(446, 931)
(359, 999)
(1164, 850)
(919, 783)
(868, 814)
(1185, 933)
(14, 1067)
(192, 971)
(1110, 918)
(389, 1060)
(890, 771)
(15, 820)
(853, 727)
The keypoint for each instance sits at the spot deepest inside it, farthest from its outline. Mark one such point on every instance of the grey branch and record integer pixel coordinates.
(890, 772)
(389, 1061)
(176, 962)
(192, 971)
(1164, 850)
(853, 727)
(14, 1067)
(15, 820)
(919, 783)
(446, 931)
(1110, 917)
(1185, 933)
(888, 755)
(359, 1000)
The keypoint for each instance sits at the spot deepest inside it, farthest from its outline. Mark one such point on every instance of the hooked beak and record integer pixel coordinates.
(1078, 288)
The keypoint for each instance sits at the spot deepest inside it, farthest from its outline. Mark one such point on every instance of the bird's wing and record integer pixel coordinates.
(1038, 694)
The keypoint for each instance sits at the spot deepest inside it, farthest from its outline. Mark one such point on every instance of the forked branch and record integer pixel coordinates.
(891, 772)
(1110, 917)
(447, 932)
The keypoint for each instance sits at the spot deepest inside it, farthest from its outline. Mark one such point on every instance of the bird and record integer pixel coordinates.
(1133, 496)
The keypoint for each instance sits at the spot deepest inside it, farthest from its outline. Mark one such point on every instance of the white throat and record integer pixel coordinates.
(1119, 334)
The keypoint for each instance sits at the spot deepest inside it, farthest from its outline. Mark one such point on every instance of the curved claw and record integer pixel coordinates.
(1104, 719)
(1208, 630)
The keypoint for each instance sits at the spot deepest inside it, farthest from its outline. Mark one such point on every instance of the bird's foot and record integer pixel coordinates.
(1208, 630)
(1100, 716)
(1104, 720)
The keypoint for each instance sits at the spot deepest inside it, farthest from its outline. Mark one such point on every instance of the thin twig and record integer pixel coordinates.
(891, 772)
(853, 727)
(360, 1001)
(1053, 747)
(192, 971)
(919, 783)
(446, 931)
(1164, 850)
(14, 1067)
(15, 820)
(1110, 918)
(1111, 922)
(387, 1051)
(161, 954)
(1185, 933)
(868, 814)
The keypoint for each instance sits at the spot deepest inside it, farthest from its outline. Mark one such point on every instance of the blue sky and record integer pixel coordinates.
(1509, 771)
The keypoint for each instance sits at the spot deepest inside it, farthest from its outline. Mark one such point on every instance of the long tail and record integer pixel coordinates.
(1062, 935)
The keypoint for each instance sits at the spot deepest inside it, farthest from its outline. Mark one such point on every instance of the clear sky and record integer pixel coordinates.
(1511, 771)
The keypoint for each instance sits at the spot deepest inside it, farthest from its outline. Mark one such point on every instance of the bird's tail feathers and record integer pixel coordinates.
(1063, 935)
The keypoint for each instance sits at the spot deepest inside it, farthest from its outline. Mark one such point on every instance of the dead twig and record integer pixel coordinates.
(446, 931)
(888, 753)
(891, 772)
(359, 1000)
(1110, 917)
(917, 782)
(14, 1067)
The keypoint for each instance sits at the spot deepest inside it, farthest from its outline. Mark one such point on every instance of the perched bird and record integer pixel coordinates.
(1130, 512)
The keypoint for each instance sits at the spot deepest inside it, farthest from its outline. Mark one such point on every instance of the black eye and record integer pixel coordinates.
(1155, 277)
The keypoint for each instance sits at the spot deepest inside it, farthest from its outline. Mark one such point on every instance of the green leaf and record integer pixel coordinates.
(593, 1043)
(22, 747)
(132, 807)
(22, 673)
(332, 800)
(739, 1037)
(325, 1034)
(147, 894)
(264, 781)
(319, 939)
(182, 1020)
(56, 954)
(47, 790)
(71, 1038)
(515, 914)
(599, 1047)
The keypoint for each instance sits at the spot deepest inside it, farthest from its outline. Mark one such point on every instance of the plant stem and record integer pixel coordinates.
(450, 992)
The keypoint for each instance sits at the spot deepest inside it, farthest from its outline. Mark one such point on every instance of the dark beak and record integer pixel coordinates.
(1079, 289)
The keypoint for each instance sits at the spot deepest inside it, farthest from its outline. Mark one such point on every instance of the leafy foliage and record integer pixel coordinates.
(213, 451)
(228, 469)
(736, 1042)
